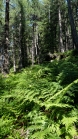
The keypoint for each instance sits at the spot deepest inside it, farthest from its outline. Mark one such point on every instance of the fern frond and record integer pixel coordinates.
(63, 91)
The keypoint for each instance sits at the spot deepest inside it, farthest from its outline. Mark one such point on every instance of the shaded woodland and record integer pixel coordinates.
(32, 31)
(39, 69)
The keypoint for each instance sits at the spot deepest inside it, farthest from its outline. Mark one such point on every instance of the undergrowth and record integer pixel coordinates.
(41, 101)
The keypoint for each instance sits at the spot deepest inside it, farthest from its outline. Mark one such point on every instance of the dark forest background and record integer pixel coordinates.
(32, 31)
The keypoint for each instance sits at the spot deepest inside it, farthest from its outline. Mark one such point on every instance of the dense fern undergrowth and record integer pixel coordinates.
(41, 102)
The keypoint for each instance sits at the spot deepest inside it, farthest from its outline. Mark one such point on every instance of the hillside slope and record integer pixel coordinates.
(41, 102)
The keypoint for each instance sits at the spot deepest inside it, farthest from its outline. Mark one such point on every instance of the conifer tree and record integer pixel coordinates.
(35, 18)
(23, 35)
(73, 27)
(6, 41)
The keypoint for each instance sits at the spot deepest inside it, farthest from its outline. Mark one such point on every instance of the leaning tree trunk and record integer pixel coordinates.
(6, 42)
(73, 28)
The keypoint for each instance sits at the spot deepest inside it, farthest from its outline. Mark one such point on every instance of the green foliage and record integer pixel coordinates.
(2, 85)
(68, 73)
(40, 102)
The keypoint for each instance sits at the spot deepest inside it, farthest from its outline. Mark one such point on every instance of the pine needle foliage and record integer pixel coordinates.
(40, 102)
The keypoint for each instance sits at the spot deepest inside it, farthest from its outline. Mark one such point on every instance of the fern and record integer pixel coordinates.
(41, 101)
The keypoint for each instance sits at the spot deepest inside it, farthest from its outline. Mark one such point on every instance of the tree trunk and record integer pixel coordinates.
(14, 54)
(73, 28)
(61, 47)
(22, 29)
(33, 45)
(6, 43)
(37, 48)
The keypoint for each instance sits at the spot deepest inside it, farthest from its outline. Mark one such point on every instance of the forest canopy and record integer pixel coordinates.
(31, 31)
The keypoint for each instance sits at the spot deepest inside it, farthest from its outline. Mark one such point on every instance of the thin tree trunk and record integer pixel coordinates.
(14, 62)
(73, 28)
(14, 55)
(6, 44)
(36, 45)
(33, 45)
(61, 47)
(32, 53)
(38, 50)
(67, 38)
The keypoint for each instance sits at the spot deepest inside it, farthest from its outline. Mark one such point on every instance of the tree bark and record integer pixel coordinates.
(14, 54)
(6, 43)
(61, 47)
(33, 46)
(73, 28)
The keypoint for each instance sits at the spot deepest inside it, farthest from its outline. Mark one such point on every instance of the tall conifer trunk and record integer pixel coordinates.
(73, 28)
(14, 54)
(33, 45)
(6, 42)
(61, 47)
(22, 29)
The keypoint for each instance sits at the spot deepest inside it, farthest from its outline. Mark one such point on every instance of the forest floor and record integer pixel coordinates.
(41, 101)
